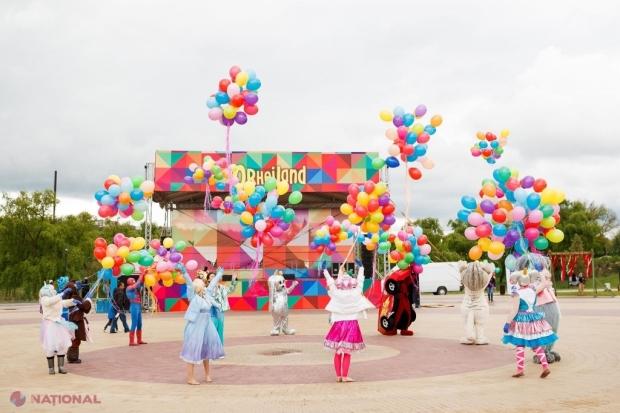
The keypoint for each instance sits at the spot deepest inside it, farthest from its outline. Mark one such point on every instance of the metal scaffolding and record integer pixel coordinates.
(149, 175)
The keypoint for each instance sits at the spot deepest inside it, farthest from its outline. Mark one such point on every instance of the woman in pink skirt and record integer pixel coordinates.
(347, 304)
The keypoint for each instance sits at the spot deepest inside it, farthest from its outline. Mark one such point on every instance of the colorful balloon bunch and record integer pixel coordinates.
(332, 233)
(369, 207)
(236, 98)
(489, 147)
(512, 213)
(410, 139)
(126, 196)
(164, 257)
(121, 256)
(411, 248)
(262, 219)
(216, 172)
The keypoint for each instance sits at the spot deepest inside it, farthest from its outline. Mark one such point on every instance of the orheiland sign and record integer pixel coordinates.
(304, 171)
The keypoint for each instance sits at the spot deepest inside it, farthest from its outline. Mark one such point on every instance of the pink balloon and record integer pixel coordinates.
(535, 216)
(531, 234)
(171, 265)
(329, 221)
(494, 256)
(518, 213)
(191, 265)
(470, 234)
(402, 132)
(418, 269)
(475, 219)
(118, 238)
(215, 114)
(402, 235)
(276, 232)
(425, 249)
(260, 225)
(556, 209)
(162, 266)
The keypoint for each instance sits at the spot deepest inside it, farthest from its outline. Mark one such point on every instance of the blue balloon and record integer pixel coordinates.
(490, 160)
(254, 199)
(123, 207)
(253, 84)
(136, 194)
(220, 186)
(234, 190)
(412, 158)
(398, 111)
(222, 98)
(417, 231)
(483, 145)
(420, 150)
(430, 129)
(258, 217)
(271, 201)
(415, 250)
(100, 194)
(107, 274)
(496, 175)
(510, 196)
(239, 207)
(500, 230)
(251, 74)
(420, 260)
(533, 200)
(494, 144)
(107, 200)
(212, 103)
(260, 190)
(114, 190)
(266, 210)
(521, 246)
(469, 202)
(392, 162)
(408, 119)
(277, 212)
(247, 232)
(520, 195)
(411, 138)
(463, 214)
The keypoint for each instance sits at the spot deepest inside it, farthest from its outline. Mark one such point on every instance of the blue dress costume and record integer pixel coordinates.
(529, 328)
(200, 339)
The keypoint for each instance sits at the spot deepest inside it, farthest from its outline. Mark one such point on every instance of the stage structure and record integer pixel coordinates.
(214, 237)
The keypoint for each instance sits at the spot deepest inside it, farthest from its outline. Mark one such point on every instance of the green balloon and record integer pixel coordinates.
(152, 251)
(137, 215)
(289, 215)
(409, 257)
(294, 198)
(427, 259)
(270, 183)
(541, 243)
(504, 171)
(137, 181)
(134, 256)
(216, 169)
(127, 269)
(499, 151)
(402, 264)
(146, 261)
(488, 181)
(547, 210)
(218, 176)
(378, 163)
(180, 245)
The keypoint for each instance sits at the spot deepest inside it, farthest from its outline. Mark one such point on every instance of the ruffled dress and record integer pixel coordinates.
(529, 328)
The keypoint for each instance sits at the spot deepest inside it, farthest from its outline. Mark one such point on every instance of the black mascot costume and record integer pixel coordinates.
(398, 300)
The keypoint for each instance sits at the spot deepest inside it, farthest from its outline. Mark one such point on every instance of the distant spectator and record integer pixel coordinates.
(582, 283)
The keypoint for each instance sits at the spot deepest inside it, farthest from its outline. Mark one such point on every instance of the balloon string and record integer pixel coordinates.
(229, 159)
(207, 202)
(255, 265)
(406, 191)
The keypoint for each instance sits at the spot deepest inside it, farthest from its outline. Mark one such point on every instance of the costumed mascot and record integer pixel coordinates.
(398, 303)
(278, 303)
(77, 315)
(546, 301)
(475, 308)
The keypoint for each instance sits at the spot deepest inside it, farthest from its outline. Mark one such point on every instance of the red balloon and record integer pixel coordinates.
(539, 185)
(233, 72)
(254, 241)
(483, 231)
(408, 150)
(489, 136)
(369, 187)
(125, 243)
(334, 230)
(415, 173)
(424, 137)
(373, 205)
(361, 211)
(116, 271)
(351, 200)
(487, 152)
(328, 252)
(250, 109)
(354, 190)
(407, 246)
(250, 209)
(403, 157)
(334, 238)
(499, 216)
(267, 240)
(320, 248)
(557, 218)
(422, 239)
(224, 83)
(105, 211)
(118, 261)
(236, 101)
(388, 209)
(386, 227)
(108, 183)
(100, 242)
(392, 237)
(396, 256)
(99, 253)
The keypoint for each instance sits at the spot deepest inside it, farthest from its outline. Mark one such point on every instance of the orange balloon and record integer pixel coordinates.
(436, 120)
(489, 189)
(124, 198)
(505, 204)
(475, 252)
(165, 276)
(179, 279)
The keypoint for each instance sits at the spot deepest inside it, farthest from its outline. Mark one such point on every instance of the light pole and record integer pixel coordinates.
(66, 253)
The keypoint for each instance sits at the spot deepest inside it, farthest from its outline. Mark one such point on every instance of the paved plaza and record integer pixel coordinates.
(430, 372)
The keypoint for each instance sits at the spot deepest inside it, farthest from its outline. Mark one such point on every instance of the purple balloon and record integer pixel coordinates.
(420, 111)
(487, 206)
(384, 200)
(188, 180)
(331, 246)
(313, 246)
(389, 220)
(284, 225)
(175, 257)
(251, 98)
(208, 174)
(162, 251)
(241, 118)
(527, 182)
(228, 205)
(227, 122)
(516, 254)
(512, 235)
(398, 121)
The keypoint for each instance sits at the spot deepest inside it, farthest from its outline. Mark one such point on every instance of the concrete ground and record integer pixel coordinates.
(430, 372)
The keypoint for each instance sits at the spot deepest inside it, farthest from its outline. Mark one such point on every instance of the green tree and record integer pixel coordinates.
(455, 242)
(577, 246)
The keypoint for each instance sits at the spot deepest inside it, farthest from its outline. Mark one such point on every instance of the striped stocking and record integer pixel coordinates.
(542, 357)
(521, 358)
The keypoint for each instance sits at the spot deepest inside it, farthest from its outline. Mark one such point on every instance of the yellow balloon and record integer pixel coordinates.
(380, 188)
(436, 120)
(514, 172)
(496, 247)
(200, 174)
(418, 128)
(505, 133)
(168, 282)
(115, 178)
(372, 226)
(346, 209)
(249, 187)
(354, 218)
(242, 78)
(475, 252)
(547, 196)
(484, 243)
(320, 233)
(107, 262)
(246, 217)
(168, 242)
(398, 244)
(548, 222)
(375, 238)
(149, 280)
(363, 198)
(342, 236)
(376, 217)
(122, 252)
(138, 243)
(559, 196)
(229, 112)
(212, 180)
(391, 260)
(386, 115)
(282, 187)
(555, 235)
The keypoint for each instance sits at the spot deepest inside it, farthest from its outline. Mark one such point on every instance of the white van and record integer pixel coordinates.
(440, 277)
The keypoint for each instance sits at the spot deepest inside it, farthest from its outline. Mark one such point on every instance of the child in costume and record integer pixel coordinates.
(77, 316)
(133, 294)
(55, 333)
(220, 294)
(201, 342)
(524, 326)
(347, 304)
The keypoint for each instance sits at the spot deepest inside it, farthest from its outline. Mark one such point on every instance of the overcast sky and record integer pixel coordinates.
(94, 88)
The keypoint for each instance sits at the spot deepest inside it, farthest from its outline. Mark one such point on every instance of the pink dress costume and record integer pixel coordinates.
(55, 333)
(347, 304)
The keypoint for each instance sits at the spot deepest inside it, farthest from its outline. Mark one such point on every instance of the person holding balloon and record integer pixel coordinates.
(133, 294)
(220, 294)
